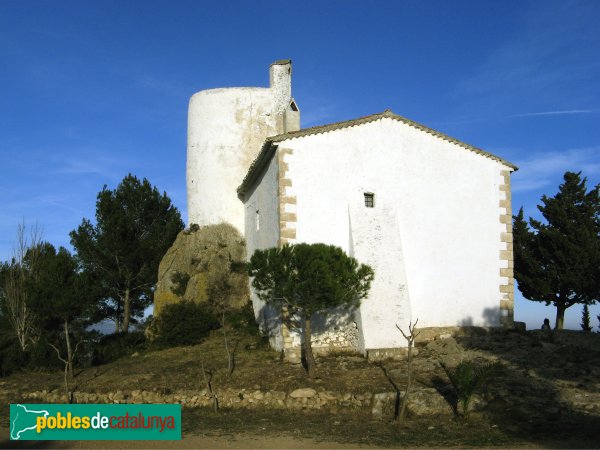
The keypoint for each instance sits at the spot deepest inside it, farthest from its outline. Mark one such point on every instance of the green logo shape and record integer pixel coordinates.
(95, 422)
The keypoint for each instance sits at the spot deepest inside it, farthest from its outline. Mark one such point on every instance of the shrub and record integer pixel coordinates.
(467, 377)
(41, 355)
(114, 346)
(12, 358)
(180, 281)
(183, 323)
(243, 321)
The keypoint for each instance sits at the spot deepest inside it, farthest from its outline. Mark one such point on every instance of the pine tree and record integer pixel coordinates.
(558, 261)
(135, 225)
(309, 279)
(63, 296)
(585, 319)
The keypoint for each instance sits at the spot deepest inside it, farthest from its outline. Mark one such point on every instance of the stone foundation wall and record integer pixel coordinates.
(422, 401)
(343, 337)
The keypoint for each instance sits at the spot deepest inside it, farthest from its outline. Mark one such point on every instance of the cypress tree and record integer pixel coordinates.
(557, 261)
(585, 319)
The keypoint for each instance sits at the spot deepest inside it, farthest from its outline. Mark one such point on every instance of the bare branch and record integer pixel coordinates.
(410, 338)
(23, 268)
(209, 389)
(58, 353)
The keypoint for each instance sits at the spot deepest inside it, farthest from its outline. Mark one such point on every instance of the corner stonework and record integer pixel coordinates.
(287, 234)
(507, 285)
(287, 201)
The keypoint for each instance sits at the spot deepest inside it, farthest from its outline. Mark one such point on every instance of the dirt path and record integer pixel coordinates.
(191, 441)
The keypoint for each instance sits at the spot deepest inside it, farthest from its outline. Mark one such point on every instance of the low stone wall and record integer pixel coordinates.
(422, 401)
(345, 339)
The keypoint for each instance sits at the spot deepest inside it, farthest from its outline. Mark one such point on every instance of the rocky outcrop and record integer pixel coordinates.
(204, 263)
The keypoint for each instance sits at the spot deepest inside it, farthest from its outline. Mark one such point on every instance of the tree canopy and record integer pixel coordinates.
(558, 261)
(60, 291)
(135, 225)
(309, 279)
(61, 294)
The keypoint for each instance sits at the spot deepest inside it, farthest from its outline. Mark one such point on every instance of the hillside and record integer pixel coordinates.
(546, 393)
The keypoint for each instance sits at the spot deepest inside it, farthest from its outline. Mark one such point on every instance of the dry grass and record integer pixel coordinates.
(259, 367)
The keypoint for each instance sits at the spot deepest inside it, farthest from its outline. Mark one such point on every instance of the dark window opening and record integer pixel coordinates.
(293, 106)
(369, 200)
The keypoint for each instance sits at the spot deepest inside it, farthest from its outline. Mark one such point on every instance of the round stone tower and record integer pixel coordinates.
(226, 129)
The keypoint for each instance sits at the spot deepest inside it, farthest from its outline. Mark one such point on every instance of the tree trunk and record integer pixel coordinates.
(310, 359)
(67, 390)
(560, 317)
(408, 383)
(126, 310)
(230, 353)
(69, 350)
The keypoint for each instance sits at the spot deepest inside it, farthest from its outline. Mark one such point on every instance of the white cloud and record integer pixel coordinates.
(84, 165)
(542, 169)
(557, 113)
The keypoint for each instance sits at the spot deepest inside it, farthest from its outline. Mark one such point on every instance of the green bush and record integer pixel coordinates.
(114, 346)
(243, 320)
(11, 356)
(42, 356)
(467, 377)
(183, 323)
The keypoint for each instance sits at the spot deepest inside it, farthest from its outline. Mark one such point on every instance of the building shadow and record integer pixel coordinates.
(545, 392)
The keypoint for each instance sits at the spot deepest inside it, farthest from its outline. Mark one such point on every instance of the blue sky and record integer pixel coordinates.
(90, 91)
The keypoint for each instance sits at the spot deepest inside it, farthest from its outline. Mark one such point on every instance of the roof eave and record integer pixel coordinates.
(257, 166)
(259, 162)
(390, 115)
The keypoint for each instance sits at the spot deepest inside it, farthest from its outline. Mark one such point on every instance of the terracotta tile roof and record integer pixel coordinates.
(261, 159)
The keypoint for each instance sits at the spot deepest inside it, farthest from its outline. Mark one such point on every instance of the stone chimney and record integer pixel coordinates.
(280, 82)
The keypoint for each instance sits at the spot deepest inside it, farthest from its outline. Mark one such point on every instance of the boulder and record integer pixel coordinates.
(196, 265)
(303, 393)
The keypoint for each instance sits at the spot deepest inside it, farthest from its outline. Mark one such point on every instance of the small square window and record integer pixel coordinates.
(369, 200)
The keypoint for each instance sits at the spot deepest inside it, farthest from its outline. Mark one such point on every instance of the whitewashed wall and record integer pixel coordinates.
(445, 200)
(262, 231)
(226, 129)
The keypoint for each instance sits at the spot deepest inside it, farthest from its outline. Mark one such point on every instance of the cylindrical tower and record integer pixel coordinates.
(226, 129)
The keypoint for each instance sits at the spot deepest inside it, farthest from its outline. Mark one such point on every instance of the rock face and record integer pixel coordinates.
(204, 263)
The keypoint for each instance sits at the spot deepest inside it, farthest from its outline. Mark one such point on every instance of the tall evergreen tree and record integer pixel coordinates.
(585, 319)
(61, 296)
(135, 225)
(558, 261)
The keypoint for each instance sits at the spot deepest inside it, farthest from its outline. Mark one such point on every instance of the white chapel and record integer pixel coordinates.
(429, 213)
